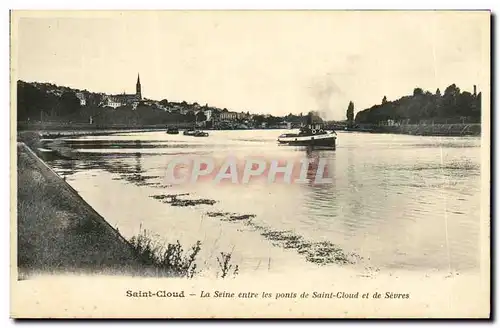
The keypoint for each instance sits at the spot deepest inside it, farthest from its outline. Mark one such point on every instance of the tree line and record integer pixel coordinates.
(453, 106)
(41, 102)
(47, 102)
(35, 103)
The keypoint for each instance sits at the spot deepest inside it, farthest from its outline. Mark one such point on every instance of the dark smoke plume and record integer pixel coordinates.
(323, 89)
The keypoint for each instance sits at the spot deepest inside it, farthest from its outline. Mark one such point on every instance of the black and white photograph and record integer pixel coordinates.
(250, 164)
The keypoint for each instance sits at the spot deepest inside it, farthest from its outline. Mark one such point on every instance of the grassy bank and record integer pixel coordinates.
(58, 231)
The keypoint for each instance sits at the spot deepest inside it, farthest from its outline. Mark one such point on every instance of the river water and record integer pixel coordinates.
(393, 202)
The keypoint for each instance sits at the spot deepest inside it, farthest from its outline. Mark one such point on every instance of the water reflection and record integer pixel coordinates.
(138, 155)
(355, 205)
(386, 202)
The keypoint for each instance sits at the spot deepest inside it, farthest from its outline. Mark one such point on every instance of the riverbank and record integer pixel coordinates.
(53, 127)
(80, 131)
(55, 130)
(438, 130)
(58, 232)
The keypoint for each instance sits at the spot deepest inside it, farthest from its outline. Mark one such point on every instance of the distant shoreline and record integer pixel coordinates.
(451, 130)
(430, 130)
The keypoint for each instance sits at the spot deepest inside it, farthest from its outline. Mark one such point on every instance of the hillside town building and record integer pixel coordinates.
(124, 99)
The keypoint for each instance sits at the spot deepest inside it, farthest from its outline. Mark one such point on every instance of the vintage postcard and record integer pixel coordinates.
(250, 164)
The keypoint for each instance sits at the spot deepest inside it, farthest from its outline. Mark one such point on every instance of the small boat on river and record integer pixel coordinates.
(200, 134)
(189, 132)
(173, 131)
(311, 135)
(195, 133)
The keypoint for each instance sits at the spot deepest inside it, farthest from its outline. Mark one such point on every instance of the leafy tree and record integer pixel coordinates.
(418, 92)
(452, 106)
(450, 100)
(258, 119)
(451, 90)
(69, 103)
(201, 117)
(93, 99)
(350, 112)
(190, 117)
(465, 103)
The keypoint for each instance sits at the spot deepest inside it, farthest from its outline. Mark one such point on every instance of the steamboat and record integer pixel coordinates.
(312, 134)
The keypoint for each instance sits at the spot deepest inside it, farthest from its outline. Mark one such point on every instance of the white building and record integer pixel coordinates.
(111, 102)
(228, 116)
(81, 97)
(124, 99)
(208, 114)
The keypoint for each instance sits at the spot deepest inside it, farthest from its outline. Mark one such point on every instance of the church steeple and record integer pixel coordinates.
(138, 87)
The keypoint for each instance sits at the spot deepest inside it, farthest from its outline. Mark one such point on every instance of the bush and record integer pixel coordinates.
(171, 260)
(226, 266)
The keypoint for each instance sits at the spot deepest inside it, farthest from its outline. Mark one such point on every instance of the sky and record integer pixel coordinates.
(258, 61)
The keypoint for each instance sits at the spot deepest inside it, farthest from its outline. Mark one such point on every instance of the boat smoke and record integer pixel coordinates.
(323, 90)
(314, 117)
